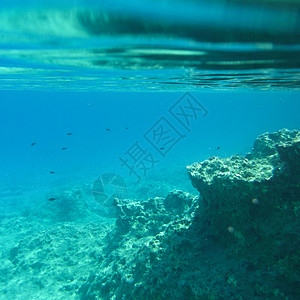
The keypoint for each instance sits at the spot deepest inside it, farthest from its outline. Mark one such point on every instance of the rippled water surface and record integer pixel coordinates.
(149, 45)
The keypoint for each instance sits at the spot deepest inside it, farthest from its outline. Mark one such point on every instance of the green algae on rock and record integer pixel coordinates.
(253, 207)
(238, 240)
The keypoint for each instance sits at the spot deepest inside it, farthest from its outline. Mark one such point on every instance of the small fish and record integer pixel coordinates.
(162, 148)
(126, 128)
(64, 148)
(51, 199)
(107, 129)
(218, 147)
(52, 172)
(33, 144)
(69, 133)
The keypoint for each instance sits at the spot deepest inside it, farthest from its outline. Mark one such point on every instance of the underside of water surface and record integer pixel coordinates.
(150, 45)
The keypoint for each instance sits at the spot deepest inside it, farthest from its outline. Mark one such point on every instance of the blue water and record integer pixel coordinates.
(82, 82)
(149, 45)
(233, 122)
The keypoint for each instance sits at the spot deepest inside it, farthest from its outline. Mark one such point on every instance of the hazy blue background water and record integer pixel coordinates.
(234, 120)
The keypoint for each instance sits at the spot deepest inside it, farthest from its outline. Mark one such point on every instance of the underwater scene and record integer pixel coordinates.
(150, 150)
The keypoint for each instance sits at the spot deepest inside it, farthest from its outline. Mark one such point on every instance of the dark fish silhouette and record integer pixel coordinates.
(162, 148)
(69, 133)
(51, 199)
(64, 148)
(107, 129)
(52, 172)
(218, 147)
(126, 128)
(33, 144)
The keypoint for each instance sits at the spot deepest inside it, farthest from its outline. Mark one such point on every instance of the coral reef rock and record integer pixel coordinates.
(239, 239)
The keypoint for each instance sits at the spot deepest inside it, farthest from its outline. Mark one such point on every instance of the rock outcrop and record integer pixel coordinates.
(238, 240)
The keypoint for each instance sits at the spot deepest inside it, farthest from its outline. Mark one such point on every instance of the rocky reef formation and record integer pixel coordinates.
(239, 239)
(62, 205)
(252, 208)
(48, 260)
(141, 247)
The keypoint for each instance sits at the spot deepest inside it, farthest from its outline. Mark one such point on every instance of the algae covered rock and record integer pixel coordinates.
(252, 207)
(144, 231)
(65, 205)
(239, 239)
(267, 144)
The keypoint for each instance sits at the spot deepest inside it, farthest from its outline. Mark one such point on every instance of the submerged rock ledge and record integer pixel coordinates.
(239, 239)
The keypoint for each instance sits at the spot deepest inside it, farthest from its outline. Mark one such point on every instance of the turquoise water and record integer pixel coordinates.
(105, 99)
(149, 45)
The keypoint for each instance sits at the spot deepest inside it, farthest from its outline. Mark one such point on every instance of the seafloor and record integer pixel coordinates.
(237, 238)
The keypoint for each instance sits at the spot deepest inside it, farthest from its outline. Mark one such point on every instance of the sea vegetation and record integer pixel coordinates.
(238, 239)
